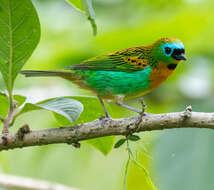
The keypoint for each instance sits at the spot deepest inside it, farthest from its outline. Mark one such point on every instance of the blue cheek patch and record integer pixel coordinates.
(172, 45)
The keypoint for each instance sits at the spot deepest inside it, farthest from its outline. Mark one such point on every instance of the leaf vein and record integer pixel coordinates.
(4, 41)
(16, 7)
(21, 57)
(20, 22)
(4, 54)
(4, 23)
(22, 41)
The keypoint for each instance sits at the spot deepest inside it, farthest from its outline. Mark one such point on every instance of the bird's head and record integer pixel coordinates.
(169, 50)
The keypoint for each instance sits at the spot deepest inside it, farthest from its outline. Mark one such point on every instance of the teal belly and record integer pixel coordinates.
(108, 83)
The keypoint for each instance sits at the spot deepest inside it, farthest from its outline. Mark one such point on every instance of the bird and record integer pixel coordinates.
(127, 73)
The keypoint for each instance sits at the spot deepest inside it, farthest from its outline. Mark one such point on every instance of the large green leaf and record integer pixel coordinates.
(103, 144)
(67, 108)
(184, 159)
(19, 35)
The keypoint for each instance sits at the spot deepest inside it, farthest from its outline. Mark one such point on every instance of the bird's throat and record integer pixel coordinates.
(161, 73)
(172, 66)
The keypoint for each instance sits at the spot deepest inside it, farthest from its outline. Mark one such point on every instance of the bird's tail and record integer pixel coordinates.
(31, 73)
(64, 74)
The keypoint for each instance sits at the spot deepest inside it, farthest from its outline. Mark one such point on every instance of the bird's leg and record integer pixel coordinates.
(119, 101)
(143, 107)
(104, 108)
(140, 117)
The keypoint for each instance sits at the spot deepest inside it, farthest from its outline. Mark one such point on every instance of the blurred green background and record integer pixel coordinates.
(178, 158)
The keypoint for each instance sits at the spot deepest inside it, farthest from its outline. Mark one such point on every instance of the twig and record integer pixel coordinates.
(6, 126)
(97, 128)
(7, 121)
(10, 181)
(187, 113)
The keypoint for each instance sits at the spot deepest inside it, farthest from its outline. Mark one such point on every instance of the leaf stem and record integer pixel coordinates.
(10, 99)
(8, 120)
(88, 7)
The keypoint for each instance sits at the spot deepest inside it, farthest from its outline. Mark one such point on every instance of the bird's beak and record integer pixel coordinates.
(181, 57)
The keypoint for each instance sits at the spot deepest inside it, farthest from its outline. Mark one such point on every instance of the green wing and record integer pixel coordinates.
(128, 60)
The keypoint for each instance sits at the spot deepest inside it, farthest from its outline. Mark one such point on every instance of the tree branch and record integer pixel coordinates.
(10, 181)
(105, 127)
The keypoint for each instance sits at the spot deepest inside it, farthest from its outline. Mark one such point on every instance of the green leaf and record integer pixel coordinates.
(133, 138)
(19, 36)
(61, 120)
(119, 143)
(76, 4)
(19, 99)
(143, 168)
(103, 144)
(86, 6)
(67, 108)
(28, 107)
(4, 104)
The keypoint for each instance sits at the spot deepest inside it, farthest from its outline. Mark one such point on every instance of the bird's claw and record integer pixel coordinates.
(143, 106)
(142, 113)
(102, 117)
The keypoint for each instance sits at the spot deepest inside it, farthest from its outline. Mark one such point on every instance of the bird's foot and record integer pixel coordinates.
(142, 114)
(106, 117)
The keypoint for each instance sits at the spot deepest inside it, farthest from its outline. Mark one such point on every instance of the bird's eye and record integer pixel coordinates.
(168, 50)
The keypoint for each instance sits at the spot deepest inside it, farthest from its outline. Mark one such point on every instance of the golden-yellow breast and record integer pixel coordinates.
(159, 74)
